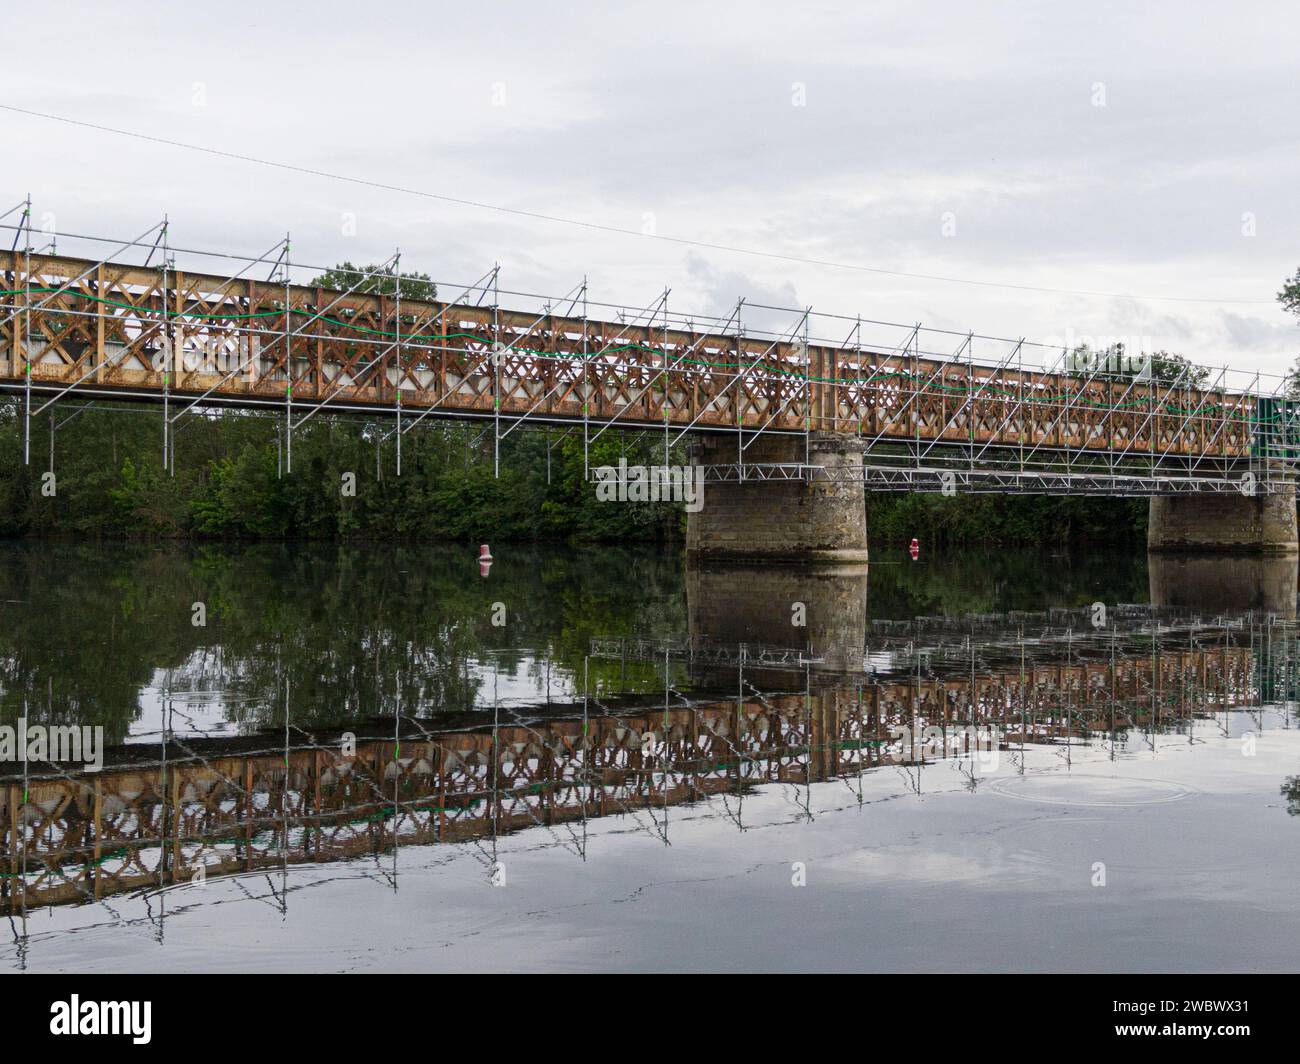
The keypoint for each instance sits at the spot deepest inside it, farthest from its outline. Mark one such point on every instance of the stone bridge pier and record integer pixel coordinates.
(1223, 523)
(821, 521)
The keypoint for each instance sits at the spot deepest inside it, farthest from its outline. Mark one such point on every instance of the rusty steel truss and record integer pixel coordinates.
(933, 410)
(71, 836)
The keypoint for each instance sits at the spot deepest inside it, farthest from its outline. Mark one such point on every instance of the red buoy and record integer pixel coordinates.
(484, 559)
(914, 549)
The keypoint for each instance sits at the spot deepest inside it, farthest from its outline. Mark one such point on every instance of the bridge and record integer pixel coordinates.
(156, 814)
(788, 425)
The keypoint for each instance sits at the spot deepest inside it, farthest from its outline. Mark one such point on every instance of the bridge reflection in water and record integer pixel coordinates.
(1246, 582)
(156, 815)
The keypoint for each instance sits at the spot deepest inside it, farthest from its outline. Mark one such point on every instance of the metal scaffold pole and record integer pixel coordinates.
(397, 326)
(916, 393)
(857, 360)
(810, 389)
(168, 353)
(288, 366)
(24, 341)
(586, 389)
(1020, 406)
(740, 341)
(497, 359)
(667, 383)
(970, 397)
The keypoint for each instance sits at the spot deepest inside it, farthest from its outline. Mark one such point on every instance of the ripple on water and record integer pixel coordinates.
(1083, 789)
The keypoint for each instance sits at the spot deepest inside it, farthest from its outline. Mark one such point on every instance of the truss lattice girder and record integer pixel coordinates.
(485, 361)
(943, 480)
(929, 641)
(82, 837)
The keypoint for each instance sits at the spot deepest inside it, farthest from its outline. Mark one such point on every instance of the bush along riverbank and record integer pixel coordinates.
(233, 481)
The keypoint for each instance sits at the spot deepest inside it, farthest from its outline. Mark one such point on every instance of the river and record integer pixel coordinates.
(379, 758)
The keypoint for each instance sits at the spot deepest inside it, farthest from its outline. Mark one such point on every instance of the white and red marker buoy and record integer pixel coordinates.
(484, 559)
(914, 548)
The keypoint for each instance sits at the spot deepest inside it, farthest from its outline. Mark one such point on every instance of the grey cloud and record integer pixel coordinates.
(685, 111)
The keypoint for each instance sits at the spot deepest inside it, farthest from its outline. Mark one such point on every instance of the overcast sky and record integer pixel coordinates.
(1081, 148)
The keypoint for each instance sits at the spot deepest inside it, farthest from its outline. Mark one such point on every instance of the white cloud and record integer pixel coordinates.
(685, 112)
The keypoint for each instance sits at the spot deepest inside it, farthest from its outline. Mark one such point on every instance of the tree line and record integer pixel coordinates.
(233, 481)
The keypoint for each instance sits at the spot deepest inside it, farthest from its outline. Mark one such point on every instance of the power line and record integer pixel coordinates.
(618, 230)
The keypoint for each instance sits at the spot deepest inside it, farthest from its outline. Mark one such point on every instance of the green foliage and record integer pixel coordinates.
(147, 501)
(1165, 367)
(232, 482)
(1044, 521)
(1290, 790)
(417, 286)
(84, 627)
(1169, 368)
(1289, 297)
(349, 628)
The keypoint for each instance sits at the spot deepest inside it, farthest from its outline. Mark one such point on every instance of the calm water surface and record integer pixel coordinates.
(594, 759)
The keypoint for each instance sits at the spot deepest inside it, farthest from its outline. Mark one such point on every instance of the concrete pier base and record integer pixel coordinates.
(1223, 524)
(809, 522)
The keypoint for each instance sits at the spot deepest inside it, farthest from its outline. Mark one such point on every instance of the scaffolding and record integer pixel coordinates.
(174, 803)
(147, 321)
